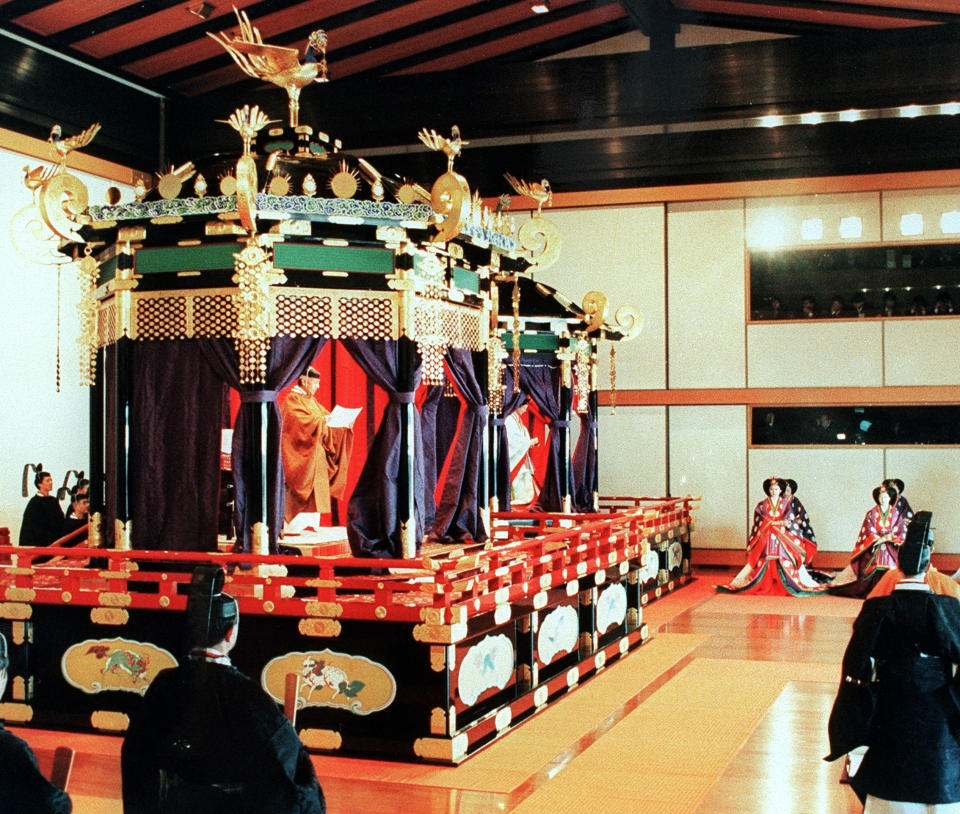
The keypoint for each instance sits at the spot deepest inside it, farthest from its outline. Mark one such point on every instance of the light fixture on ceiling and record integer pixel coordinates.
(540, 6)
(201, 10)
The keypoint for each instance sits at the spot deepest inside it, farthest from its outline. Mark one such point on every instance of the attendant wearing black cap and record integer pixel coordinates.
(22, 788)
(207, 738)
(43, 518)
(897, 694)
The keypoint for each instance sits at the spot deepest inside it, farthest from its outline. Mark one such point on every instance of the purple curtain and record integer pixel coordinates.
(458, 516)
(512, 401)
(431, 463)
(373, 522)
(174, 453)
(542, 382)
(286, 359)
(585, 464)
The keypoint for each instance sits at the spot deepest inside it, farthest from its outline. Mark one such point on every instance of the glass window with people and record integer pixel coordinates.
(855, 282)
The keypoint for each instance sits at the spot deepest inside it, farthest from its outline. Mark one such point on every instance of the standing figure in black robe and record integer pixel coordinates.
(207, 738)
(22, 788)
(43, 518)
(898, 695)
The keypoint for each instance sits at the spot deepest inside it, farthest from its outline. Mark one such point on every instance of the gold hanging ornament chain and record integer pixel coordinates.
(613, 379)
(515, 299)
(59, 275)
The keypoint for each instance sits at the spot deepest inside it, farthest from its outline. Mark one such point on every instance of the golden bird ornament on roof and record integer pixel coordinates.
(540, 193)
(62, 147)
(277, 63)
(450, 147)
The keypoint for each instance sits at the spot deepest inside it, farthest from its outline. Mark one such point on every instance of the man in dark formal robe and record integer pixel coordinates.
(898, 694)
(22, 788)
(207, 738)
(43, 517)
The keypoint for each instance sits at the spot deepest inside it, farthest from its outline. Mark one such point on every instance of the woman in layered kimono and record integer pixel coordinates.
(777, 551)
(878, 546)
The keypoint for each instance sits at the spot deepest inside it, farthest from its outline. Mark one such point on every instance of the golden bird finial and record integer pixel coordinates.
(541, 193)
(450, 147)
(277, 63)
(62, 147)
(35, 178)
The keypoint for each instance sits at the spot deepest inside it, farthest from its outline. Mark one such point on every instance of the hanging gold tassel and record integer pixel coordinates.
(613, 379)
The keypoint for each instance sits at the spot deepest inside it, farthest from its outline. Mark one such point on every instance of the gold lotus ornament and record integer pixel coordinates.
(247, 121)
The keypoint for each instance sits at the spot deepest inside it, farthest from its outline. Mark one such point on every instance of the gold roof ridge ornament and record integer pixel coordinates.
(277, 64)
(539, 236)
(450, 194)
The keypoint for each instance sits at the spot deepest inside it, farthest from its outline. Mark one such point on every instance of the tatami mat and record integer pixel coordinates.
(709, 710)
(511, 761)
(783, 605)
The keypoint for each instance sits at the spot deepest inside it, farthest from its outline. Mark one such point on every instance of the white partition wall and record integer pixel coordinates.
(921, 351)
(707, 447)
(38, 424)
(633, 451)
(619, 252)
(932, 478)
(706, 295)
(848, 353)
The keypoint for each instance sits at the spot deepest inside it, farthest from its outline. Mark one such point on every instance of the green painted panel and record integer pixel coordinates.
(186, 258)
(108, 270)
(333, 258)
(466, 280)
(532, 341)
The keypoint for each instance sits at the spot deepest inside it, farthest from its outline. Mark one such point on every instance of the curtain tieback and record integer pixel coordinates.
(403, 397)
(256, 396)
(560, 424)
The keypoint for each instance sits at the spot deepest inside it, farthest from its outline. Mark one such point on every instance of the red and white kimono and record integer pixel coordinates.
(877, 550)
(777, 553)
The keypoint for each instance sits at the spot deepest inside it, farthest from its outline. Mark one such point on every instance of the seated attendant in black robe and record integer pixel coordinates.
(898, 695)
(43, 518)
(207, 738)
(22, 788)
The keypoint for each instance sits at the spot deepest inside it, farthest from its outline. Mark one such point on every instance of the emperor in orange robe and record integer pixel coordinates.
(315, 456)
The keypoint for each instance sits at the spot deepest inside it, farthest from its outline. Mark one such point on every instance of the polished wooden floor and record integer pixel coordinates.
(734, 721)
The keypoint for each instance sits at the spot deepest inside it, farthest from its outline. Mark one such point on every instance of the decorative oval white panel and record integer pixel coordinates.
(611, 607)
(558, 633)
(489, 663)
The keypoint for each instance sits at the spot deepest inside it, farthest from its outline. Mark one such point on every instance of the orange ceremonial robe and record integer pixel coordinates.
(939, 583)
(315, 456)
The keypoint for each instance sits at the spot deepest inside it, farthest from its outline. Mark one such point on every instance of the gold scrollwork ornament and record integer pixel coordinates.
(450, 198)
(541, 238)
(63, 203)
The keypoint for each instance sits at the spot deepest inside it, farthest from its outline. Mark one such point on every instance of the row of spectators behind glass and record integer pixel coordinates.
(882, 304)
(899, 425)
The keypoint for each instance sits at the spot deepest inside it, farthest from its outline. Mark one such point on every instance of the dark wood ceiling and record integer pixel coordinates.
(661, 113)
(164, 43)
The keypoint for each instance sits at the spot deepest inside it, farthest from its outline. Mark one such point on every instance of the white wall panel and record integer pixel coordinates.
(815, 354)
(932, 478)
(38, 424)
(922, 351)
(708, 459)
(775, 222)
(619, 252)
(706, 295)
(834, 485)
(930, 204)
(633, 451)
